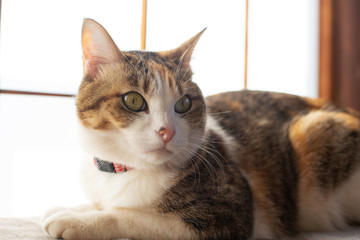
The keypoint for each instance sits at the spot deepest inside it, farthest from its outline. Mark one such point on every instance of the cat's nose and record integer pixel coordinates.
(166, 134)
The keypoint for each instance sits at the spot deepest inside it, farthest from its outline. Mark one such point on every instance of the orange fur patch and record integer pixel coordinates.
(315, 102)
(308, 129)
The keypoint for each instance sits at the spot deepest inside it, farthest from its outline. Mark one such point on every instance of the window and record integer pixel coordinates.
(39, 154)
(41, 52)
(218, 57)
(40, 40)
(283, 46)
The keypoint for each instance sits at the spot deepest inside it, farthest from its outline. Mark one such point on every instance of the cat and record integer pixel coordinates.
(163, 162)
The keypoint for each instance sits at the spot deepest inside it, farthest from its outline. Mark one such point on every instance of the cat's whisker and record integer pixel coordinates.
(210, 168)
(178, 67)
(211, 150)
(211, 141)
(187, 70)
(219, 113)
(193, 87)
(188, 81)
(194, 165)
(215, 155)
(131, 64)
(143, 65)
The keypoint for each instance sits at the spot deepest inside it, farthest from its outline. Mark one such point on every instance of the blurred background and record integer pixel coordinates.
(304, 47)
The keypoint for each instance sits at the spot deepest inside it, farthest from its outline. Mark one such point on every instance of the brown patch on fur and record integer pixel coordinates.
(297, 137)
(99, 102)
(326, 145)
(349, 121)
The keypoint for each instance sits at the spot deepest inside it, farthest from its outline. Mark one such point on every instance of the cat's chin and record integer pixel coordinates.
(158, 156)
(159, 151)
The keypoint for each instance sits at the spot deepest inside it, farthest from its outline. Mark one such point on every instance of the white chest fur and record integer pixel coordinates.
(133, 189)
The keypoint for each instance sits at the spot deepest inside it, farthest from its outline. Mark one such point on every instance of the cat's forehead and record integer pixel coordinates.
(145, 58)
(151, 71)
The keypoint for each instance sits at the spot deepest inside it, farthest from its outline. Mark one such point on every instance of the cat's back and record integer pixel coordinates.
(258, 108)
(259, 121)
(294, 151)
(254, 117)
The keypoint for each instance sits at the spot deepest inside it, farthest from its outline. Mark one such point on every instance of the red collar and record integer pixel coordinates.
(110, 166)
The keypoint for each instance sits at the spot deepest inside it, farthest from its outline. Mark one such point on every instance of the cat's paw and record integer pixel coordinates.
(63, 224)
(51, 212)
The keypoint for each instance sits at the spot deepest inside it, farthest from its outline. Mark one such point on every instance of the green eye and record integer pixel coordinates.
(183, 104)
(134, 102)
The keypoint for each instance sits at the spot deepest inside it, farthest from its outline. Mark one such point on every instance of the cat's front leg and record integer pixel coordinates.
(114, 224)
(54, 210)
(57, 212)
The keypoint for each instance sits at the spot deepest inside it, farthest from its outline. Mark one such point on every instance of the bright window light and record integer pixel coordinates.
(283, 46)
(218, 59)
(41, 39)
(40, 155)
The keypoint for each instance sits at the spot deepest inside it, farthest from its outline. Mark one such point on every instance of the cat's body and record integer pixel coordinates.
(236, 165)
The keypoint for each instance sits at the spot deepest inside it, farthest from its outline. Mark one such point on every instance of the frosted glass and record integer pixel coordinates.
(218, 59)
(283, 46)
(41, 39)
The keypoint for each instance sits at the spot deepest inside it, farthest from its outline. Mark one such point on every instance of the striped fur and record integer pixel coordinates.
(240, 165)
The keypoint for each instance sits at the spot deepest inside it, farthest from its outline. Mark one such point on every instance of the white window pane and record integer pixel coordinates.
(283, 46)
(41, 39)
(40, 155)
(218, 59)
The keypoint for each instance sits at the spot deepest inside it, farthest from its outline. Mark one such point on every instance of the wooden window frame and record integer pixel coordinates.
(339, 52)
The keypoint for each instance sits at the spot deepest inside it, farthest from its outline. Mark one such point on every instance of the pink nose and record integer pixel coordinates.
(166, 134)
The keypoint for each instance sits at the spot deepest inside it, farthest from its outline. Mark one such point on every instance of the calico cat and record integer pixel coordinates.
(166, 163)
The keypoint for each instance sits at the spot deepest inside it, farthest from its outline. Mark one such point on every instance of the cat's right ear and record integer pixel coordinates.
(97, 46)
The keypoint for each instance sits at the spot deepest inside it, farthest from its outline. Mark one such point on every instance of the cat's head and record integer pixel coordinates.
(138, 108)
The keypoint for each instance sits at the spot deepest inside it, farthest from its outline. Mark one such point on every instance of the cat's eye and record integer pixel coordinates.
(183, 104)
(134, 101)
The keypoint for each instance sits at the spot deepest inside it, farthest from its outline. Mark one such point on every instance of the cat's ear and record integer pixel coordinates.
(97, 46)
(183, 53)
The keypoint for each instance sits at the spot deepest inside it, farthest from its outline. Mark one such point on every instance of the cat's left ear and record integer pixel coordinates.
(98, 47)
(183, 53)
